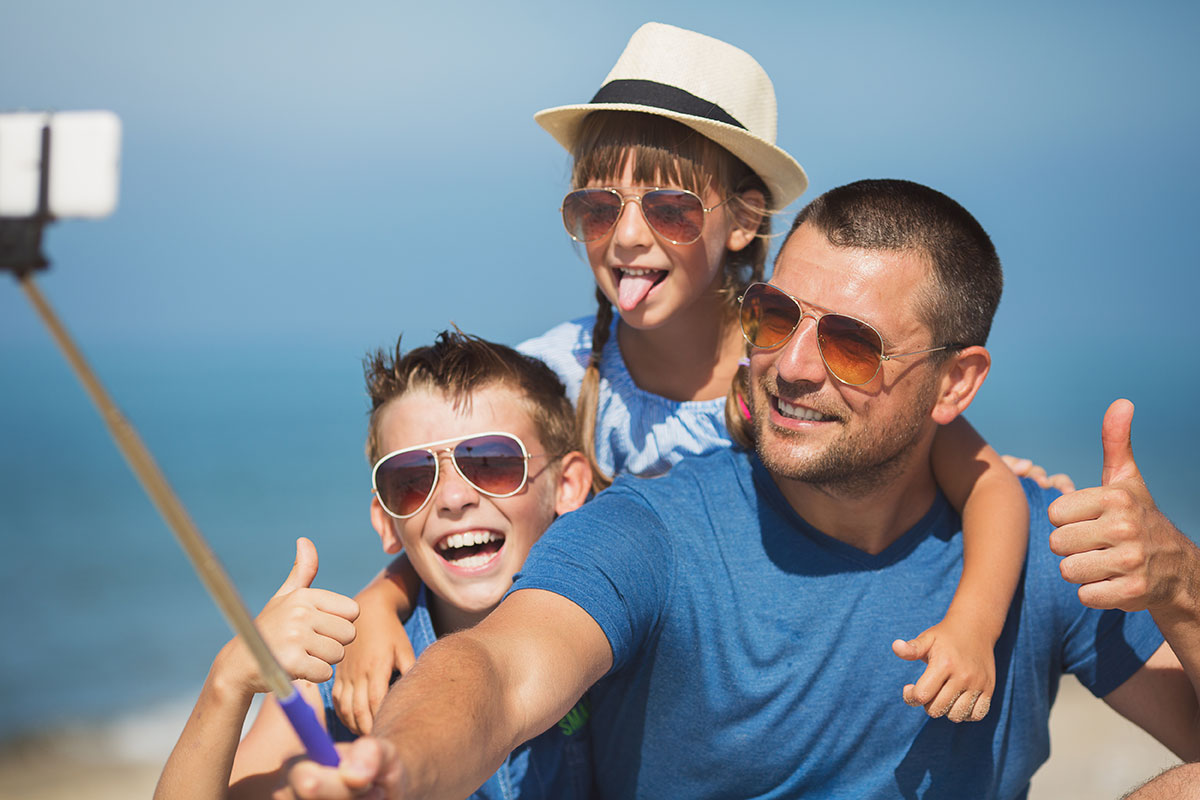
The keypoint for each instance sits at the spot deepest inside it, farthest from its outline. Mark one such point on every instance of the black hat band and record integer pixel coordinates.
(661, 95)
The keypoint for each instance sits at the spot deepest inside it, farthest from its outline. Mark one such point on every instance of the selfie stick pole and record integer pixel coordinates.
(316, 740)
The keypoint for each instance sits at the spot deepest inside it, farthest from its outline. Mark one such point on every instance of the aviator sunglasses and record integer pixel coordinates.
(676, 215)
(495, 463)
(851, 349)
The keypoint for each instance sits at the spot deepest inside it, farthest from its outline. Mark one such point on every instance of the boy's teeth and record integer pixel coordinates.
(468, 539)
(799, 412)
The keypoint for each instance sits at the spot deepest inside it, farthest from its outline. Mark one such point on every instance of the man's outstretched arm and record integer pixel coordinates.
(470, 699)
(1126, 554)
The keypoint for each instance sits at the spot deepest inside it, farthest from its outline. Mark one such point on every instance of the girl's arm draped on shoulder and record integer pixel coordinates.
(961, 673)
(381, 648)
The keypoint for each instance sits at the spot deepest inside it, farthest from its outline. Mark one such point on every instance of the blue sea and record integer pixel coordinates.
(103, 617)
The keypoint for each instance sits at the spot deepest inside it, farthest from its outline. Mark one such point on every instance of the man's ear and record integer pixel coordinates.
(574, 482)
(962, 375)
(745, 219)
(385, 526)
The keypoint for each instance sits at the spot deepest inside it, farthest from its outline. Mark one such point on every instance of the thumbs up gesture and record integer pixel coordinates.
(305, 628)
(1116, 544)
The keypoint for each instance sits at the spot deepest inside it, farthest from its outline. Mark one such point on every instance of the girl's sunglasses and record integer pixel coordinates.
(676, 215)
(851, 349)
(495, 463)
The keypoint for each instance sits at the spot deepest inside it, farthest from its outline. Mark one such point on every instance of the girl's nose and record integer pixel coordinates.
(631, 229)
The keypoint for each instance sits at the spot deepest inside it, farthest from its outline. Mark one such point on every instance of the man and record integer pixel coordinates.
(735, 615)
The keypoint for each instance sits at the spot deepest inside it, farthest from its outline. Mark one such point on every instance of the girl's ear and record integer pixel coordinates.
(747, 217)
(385, 526)
(574, 482)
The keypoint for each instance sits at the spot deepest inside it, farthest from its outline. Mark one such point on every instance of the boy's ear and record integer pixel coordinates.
(745, 219)
(962, 375)
(385, 526)
(574, 482)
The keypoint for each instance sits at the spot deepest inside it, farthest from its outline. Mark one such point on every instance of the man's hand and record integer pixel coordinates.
(368, 769)
(1116, 544)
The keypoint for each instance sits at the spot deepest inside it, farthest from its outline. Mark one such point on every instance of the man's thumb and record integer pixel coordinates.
(304, 569)
(1115, 435)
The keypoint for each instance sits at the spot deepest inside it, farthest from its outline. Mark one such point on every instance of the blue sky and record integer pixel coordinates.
(302, 178)
(302, 181)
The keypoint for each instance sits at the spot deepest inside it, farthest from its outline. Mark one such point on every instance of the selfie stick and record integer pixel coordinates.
(20, 251)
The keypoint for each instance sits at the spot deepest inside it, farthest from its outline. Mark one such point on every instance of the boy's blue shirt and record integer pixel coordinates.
(752, 657)
(553, 766)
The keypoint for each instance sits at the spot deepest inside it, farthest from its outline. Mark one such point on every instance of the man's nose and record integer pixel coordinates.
(800, 358)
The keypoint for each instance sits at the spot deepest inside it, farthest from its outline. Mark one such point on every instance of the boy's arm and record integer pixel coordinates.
(382, 646)
(961, 673)
(306, 630)
(492, 687)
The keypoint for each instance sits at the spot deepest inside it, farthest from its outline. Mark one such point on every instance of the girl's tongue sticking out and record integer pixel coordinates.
(635, 284)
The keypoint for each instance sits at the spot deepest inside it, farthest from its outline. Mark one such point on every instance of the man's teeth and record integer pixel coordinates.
(798, 412)
(468, 539)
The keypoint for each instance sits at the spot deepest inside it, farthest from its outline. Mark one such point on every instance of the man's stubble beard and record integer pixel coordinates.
(855, 464)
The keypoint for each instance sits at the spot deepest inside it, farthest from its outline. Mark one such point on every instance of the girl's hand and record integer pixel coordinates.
(305, 628)
(382, 649)
(1024, 468)
(960, 672)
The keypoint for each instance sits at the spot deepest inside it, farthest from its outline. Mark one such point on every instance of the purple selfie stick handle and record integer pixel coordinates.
(316, 740)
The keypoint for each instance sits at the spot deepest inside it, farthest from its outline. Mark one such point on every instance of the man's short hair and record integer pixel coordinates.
(960, 300)
(458, 365)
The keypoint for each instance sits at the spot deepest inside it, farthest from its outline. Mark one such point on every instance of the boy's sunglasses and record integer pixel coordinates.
(495, 463)
(676, 215)
(851, 349)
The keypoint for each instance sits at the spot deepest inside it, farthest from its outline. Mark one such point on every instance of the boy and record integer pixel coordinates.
(474, 453)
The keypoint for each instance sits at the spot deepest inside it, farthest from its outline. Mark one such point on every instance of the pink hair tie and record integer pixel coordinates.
(742, 406)
(744, 362)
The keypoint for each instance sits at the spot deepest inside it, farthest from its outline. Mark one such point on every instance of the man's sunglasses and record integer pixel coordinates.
(495, 463)
(676, 215)
(851, 349)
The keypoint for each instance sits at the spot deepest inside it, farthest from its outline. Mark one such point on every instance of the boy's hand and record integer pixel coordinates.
(306, 630)
(959, 677)
(363, 678)
(1024, 468)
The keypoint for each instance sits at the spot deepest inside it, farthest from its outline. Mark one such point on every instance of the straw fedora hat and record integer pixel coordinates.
(712, 87)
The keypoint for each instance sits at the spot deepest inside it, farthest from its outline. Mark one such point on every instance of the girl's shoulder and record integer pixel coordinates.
(565, 348)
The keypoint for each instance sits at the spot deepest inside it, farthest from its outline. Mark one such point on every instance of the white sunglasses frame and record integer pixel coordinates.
(437, 448)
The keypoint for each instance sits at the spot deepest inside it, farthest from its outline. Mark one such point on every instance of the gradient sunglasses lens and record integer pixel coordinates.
(404, 481)
(675, 214)
(494, 464)
(849, 347)
(768, 316)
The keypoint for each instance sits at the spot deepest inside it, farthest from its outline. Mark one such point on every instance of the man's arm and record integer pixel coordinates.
(470, 699)
(1126, 554)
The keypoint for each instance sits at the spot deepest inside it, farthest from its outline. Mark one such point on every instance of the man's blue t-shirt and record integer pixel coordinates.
(554, 765)
(752, 653)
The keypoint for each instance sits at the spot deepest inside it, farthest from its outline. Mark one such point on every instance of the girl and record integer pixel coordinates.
(675, 178)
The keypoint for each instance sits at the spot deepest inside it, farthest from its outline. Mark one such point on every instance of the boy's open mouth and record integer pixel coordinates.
(470, 549)
(634, 284)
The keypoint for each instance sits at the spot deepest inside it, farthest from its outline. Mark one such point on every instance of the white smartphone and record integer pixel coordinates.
(85, 149)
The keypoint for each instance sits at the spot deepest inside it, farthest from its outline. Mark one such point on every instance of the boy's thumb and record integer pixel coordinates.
(914, 649)
(304, 569)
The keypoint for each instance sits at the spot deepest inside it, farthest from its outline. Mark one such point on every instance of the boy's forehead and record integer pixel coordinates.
(430, 414)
